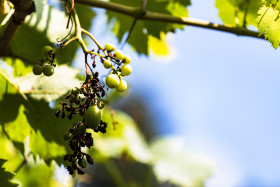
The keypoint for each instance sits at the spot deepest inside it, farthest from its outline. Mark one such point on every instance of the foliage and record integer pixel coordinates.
(31, 133)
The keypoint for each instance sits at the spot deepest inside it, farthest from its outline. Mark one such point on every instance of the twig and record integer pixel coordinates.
(153, 16)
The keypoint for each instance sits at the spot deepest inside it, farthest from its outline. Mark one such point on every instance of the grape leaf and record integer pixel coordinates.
(171, 162)
(269, 24)
(37, 119)
(121, 137)
(6, 176)
(139, 39)
(49, 88)
(232, 12)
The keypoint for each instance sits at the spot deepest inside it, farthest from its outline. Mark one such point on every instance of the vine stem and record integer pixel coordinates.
(153, 16)
(79, 30)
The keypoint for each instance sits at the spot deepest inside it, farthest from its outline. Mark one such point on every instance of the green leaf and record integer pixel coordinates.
(123, 137)
(139, 39)
(233, 12)
(40, 175)
(49, 88)
(269, 24)
(6, 176)
(36, 119)
(171, 162)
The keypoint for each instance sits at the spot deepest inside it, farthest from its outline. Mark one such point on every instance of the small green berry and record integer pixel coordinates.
(48, 70)
(110, 47)
(126, 70)
(75, 91)
(119, 55)
(81, 130)
(47, 51)
(112, 81)
(127, 59)
(122, 86)
(67, 136)
(38, 69)
(93, 117)
(107, 64)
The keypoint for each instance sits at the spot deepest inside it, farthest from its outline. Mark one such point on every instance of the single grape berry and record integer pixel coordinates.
(38, 69)
(122, 86)
(112, 81)
(48, 70)
(119, 55)
(93, 117)
(75, 91)
(126, 70)
(67, 136)
(110, 47)
(82, 163)
(127, 59)
(81, 130)
(47, 51)
(100, 104)
(107, 64)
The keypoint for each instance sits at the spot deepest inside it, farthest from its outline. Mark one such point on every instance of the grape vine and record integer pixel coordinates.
(86, 100)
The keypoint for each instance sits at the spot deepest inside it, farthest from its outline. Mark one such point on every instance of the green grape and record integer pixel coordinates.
(107, 64)
(81, 130)
(75, 91)
(47, 50)
(110, 47)
(38, 69)
(127, 59)
(112, 81)
(126, 70)
(67, 136)
(122, 86)
(100, 104)
(119, 55)
(82, 163)
(48, 70)
(93, 117)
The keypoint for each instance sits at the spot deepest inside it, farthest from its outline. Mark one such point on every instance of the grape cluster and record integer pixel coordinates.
(84, 101)
(46, 66)
(115, 78)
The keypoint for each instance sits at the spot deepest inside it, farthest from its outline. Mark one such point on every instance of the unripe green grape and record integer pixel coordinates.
(119, 55)
(48, 70)
(82, 163)
(75, 91)
(100, 104)
(107, 64)
(81, 130)
(38, 69)
(47, 51)
(110, 47)
(126, 70)
(122, 86)
(93, 117)
(112, 81)
(127, 59)
(67, 136)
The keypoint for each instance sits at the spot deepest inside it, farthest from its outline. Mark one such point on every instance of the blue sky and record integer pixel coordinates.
(225, 101)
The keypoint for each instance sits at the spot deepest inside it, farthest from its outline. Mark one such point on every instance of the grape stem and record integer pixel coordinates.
(79, 30)
(159, 17)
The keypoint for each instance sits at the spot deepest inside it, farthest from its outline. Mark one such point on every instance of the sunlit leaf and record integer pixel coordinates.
(269, 24)
(6, 176)
(173, 163)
